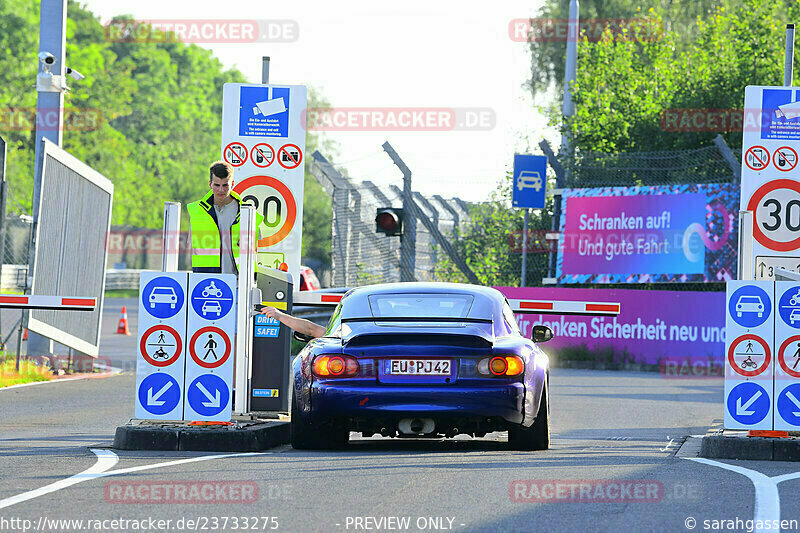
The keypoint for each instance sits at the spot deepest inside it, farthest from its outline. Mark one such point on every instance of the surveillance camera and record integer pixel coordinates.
(47, 58)
(74, 74)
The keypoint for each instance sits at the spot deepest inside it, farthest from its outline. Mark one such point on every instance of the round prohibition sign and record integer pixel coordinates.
(785, 158)
(262, 155)
(781, 215)
(235, 154)
(290, 156)
(274, 201)
(212, 345)
(161, 343)
(732, 349)
(759, 156)
(782, 360)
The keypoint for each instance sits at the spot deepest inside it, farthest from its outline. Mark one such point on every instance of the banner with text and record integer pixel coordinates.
(674, 233)
(654, 327)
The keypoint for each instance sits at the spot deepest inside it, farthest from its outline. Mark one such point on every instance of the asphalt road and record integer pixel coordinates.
(610, 429)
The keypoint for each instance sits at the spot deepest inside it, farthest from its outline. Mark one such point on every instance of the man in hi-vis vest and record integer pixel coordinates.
(214, 224)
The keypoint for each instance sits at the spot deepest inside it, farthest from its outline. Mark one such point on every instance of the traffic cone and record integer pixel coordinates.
(122, 328)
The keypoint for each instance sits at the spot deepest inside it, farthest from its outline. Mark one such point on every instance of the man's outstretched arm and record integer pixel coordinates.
(300, 325)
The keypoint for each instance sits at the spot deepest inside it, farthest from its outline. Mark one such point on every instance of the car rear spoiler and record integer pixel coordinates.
(563, 307)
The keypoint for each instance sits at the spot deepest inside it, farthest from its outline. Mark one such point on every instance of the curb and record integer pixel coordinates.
(750, 448)
(254, 437)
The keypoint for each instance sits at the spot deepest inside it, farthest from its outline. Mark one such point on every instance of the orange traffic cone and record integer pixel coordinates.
(122, 328)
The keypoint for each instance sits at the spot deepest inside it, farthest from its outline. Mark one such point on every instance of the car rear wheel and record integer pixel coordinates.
(536, 437)
(307, 436)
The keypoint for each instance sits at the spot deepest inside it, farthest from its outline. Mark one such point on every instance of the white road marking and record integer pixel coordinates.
(107, 459)
(768, 499)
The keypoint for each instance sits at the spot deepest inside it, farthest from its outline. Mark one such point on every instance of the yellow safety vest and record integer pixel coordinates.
(206, 242)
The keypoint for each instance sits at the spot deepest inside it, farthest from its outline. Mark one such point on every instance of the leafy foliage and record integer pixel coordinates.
(625, 86)
(486, 247)
(548, 55)
(160, 103)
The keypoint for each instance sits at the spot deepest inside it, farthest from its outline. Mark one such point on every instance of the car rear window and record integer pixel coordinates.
(420, 305)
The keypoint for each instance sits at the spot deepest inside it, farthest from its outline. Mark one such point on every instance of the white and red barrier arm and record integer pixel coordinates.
(561, 307)
(316, 298)
(54, 303)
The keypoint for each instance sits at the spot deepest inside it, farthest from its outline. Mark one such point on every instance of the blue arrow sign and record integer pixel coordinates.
(159, 393)
(789, 404)
(162, 297)
(212, 299)
(748, 403)
(750, 306)
(530, 181)
(208, 395)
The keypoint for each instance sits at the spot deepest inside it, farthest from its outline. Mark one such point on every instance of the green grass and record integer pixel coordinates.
(122, 293)
(29, 371)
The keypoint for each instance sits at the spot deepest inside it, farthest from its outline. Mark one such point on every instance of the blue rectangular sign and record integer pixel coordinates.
(264, 111)
(267, 331)
(530, 181)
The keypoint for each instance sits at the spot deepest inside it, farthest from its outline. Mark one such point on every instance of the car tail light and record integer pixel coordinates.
(509, 365)
(335, 366)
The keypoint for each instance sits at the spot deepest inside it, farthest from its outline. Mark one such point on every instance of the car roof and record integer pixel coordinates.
(487, 303)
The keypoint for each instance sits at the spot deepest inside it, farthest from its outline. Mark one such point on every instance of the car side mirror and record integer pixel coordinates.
(302, 337)
(541, 333)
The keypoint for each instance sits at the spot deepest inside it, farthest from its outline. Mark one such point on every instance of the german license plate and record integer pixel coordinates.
(419, 367)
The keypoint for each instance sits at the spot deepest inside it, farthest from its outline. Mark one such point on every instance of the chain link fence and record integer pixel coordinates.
(359, 255)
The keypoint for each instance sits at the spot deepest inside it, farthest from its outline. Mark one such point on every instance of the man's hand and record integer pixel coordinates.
(271, 312)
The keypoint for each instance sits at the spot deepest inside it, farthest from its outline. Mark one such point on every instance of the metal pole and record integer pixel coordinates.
(265, 70)
(49, 124)
(789, 56)
(244, 322)
(746, 262)
(408, 241)
(3, 193)
(524, 249)
(570, 72)
(171, 244)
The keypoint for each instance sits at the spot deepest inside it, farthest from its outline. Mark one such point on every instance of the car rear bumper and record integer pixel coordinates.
(337, 402)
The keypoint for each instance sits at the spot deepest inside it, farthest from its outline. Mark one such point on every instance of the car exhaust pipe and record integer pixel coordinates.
(416, 426)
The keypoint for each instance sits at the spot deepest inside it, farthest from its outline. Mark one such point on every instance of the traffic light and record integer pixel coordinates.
(389, 220)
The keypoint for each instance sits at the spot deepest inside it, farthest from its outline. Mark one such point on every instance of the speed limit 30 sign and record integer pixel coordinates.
(771, 177)
(267, 125)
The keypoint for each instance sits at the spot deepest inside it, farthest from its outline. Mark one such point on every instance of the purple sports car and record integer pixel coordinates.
(422, 360)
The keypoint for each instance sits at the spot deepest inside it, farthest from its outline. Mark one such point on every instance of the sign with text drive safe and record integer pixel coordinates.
(263, 129)
(749, 338)
(770, 175)
(210, 328)
(161, 348)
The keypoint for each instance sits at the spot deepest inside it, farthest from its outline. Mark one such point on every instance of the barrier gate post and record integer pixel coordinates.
(269, 386)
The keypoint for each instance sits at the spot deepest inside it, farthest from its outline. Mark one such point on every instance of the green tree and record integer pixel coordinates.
(548, 53)
(625, 86)
(154, 109)
(490, 242)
